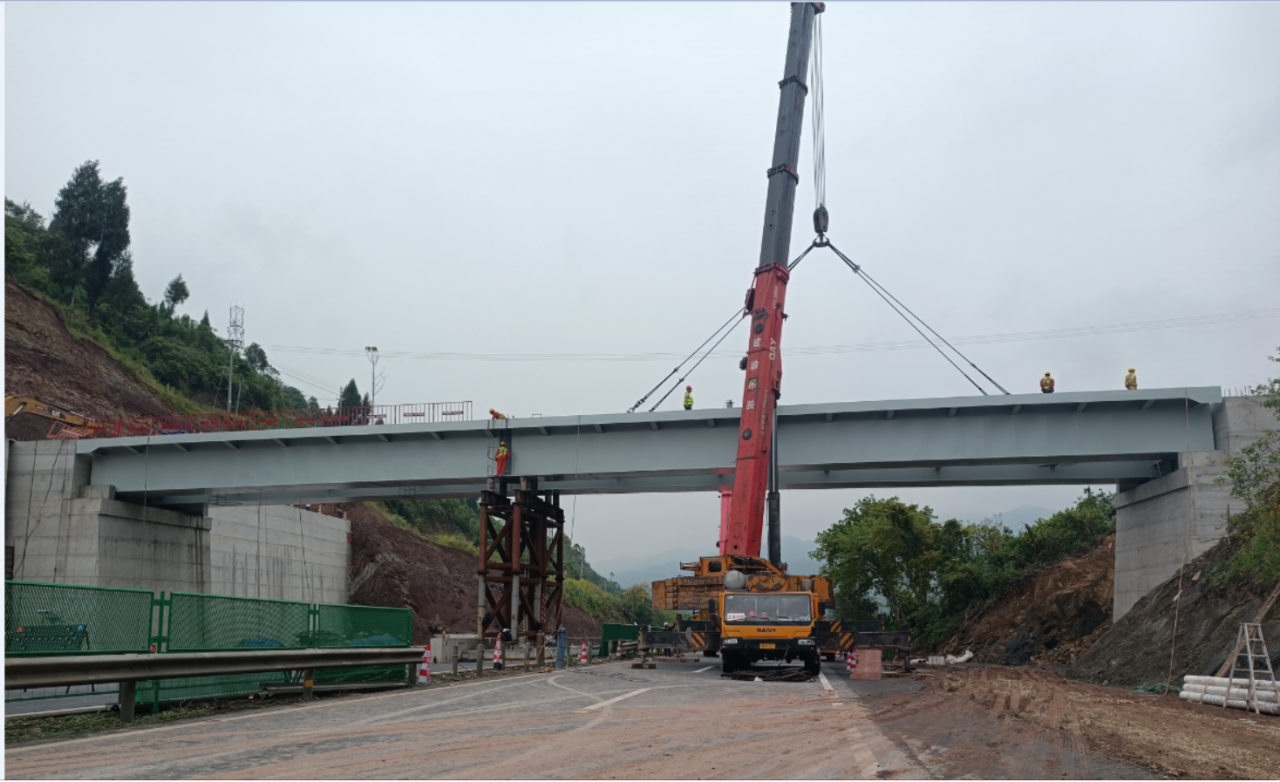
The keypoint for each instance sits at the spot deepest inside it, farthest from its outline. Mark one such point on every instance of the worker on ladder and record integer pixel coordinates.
(1047, 383)
(502, 454)
(1131, 380)
(688, 397)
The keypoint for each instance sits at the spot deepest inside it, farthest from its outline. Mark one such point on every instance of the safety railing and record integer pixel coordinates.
(260, 420)
(48, 619)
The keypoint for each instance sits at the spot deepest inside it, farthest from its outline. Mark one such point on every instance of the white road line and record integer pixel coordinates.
(700, 670)
(826, 685)
(612, 701)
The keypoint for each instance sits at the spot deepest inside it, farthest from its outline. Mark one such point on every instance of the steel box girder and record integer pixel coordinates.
(1041, 438)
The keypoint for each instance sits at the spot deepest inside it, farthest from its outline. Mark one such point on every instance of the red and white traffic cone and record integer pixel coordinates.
(851, 662)
(582, 656)
(497, 655)
(839, 655)
(424, 670)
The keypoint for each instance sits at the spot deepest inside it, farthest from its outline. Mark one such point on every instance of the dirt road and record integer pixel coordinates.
(610, 721)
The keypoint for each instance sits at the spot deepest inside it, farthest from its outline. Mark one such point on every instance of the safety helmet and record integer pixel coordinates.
(502, 442)
(1131, 369)
(1046, 374)
(688, 388)
(491, 410)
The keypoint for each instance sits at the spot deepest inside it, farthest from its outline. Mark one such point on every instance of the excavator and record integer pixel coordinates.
(68, 424)
(745, 607)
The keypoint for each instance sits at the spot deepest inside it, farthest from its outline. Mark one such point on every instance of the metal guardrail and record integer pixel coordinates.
(258, 420)
(61, 671)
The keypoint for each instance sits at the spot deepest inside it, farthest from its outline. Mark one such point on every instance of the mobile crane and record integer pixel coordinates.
(745, 607)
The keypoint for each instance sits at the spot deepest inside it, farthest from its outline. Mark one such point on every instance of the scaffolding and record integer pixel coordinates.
(521, 568)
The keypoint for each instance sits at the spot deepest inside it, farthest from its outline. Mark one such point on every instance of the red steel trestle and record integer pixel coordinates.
(521, 568)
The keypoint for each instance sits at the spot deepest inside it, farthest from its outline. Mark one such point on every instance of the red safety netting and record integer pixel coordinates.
(258, 420)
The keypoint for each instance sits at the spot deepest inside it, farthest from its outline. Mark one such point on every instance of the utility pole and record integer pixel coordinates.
(372, 352)
(235, 341)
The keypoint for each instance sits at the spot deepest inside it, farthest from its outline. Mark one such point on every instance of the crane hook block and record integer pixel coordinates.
(820, 220)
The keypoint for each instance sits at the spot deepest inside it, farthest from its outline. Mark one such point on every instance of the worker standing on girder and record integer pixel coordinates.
(1131, 380)
(688, 397)
(1047, 383)
(502, 454)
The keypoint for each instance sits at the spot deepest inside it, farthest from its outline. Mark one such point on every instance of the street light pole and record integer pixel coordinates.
(372, 352)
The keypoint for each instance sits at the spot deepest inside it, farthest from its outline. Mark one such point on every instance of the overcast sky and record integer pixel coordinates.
(589, 179)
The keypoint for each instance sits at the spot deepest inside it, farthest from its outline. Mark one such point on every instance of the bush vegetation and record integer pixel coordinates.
(892, 559)
(1255, 480)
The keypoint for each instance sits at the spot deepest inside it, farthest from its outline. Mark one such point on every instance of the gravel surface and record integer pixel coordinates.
(612, 721)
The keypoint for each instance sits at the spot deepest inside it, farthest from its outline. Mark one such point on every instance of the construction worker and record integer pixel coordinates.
(495, 415)
(502, 454)
(688, 397)
(1046, 383)
(1131, 381)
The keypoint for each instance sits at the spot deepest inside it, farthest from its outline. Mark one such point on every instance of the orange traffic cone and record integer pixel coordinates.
(497, 655)
(424, 669)
(582, 656)
(851, 663)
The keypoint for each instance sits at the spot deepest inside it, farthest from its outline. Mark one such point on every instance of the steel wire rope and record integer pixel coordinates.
(880, 288)
(736, 314)
(818, 108)
(1186, 552)
(857, 270)
(676, 385)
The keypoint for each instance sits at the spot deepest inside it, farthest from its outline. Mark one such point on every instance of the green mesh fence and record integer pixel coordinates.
(198, 688)
(203, 623)
(340, 626)
(360, 674)
(47, 619)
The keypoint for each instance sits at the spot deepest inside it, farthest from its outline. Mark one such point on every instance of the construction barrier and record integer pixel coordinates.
(497, 655)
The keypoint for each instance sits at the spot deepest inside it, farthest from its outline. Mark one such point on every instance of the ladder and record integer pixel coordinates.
(1252, 647)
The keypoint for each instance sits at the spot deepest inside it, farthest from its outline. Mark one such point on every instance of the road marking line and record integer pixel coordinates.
(700, 670)
(826, 685)
(612, 701)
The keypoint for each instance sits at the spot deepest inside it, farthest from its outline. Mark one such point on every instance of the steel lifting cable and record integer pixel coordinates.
(736, 314)
(884, 292)
(710, 350)
(818, 108)
(857, 270)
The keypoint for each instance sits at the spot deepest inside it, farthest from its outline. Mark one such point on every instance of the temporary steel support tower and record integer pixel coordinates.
(521, 569)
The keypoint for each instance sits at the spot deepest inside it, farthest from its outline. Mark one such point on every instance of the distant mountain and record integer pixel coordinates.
(629, 571)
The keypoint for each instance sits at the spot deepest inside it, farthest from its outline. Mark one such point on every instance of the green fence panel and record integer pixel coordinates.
(202, 623)
(611, 633)
(360, 674)
(50, 619)
(339, 626)
(198, 688)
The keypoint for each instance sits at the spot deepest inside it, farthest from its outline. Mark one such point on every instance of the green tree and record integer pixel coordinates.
(256, 357)
(349, 396)
(94, 216)
(176, 293)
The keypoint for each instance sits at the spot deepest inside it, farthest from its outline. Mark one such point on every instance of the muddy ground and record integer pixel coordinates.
(683, 721)
(42, 359)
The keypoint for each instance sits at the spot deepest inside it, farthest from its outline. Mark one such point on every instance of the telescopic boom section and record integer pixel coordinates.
(740, 533)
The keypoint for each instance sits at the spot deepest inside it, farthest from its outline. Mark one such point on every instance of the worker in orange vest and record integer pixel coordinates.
(688, 397)
(502, 454)
(1047, 383)
(1131, 380)
(495, 415)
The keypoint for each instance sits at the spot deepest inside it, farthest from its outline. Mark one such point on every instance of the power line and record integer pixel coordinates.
(815, 350)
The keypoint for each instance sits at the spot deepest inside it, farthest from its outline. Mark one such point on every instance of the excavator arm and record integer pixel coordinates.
(29, 404)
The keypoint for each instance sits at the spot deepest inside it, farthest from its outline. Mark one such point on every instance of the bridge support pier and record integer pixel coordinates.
(521, 567)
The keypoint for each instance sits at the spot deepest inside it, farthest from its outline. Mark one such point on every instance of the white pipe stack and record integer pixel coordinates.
(1213, 690)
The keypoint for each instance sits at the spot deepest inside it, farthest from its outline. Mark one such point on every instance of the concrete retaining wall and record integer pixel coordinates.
(67, 531)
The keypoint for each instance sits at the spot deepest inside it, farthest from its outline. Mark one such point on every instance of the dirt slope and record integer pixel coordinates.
(1136, 649)
(1048, 616)
(43, 359)
(396, 568)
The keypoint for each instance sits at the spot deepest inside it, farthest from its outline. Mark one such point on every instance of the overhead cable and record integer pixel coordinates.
(676, 385)
(879, 288)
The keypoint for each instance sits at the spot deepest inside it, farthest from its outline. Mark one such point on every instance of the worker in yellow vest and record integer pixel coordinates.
(1131, 381)
(502, 454)
(688, 397)
(1047, 383)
